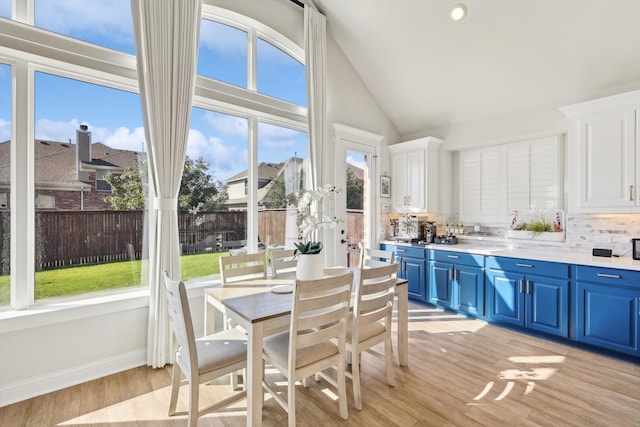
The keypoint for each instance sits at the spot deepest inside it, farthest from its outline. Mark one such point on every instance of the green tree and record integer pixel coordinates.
(276, 198)
(127, 192)
(355, 189)
(198, 191)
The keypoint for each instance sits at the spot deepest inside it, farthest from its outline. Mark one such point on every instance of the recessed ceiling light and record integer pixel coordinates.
(458, 12)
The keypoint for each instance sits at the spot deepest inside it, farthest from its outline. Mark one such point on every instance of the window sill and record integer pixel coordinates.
(69, 310)
(63, 311)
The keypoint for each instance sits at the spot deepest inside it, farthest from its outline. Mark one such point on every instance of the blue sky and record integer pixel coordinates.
(114, 116)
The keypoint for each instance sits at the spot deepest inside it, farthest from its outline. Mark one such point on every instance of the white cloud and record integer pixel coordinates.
(107, 18)
(227, 124)
(224, 160)
(50, 130)
(122, 138)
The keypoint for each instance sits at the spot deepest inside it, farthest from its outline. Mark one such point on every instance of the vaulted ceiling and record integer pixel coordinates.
(428, 71)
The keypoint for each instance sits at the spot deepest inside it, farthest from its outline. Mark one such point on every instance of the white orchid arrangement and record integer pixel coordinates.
(309, 218)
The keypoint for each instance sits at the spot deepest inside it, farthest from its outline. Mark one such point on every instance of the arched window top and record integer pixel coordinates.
(243, 52)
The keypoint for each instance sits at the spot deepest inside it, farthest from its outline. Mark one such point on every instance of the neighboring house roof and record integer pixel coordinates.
(55, 162)
(267, 173)
(357, 172)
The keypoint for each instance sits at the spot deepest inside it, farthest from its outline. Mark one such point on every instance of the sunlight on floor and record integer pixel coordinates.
(138, 410)
(436, 321)
(520, 376)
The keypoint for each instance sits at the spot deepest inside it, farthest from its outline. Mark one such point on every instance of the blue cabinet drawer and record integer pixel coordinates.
(608, 276)
(528, 266)
(406, 251)
(461, 258)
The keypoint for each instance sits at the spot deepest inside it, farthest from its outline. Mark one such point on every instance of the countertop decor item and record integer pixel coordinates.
(540, 224)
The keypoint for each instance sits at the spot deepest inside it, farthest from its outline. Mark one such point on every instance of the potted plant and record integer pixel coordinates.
(309, 219)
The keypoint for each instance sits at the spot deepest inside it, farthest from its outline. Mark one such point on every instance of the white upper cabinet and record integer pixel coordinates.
(520, 175)
(603, 140)
(414, 175)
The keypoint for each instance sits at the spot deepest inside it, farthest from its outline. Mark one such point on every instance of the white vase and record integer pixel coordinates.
(309, 267)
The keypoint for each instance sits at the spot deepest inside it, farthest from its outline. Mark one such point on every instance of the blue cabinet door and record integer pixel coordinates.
(608, 316)
(547, 302)
(470, 290)
(441, 283)
(506, 301)
(414, 270)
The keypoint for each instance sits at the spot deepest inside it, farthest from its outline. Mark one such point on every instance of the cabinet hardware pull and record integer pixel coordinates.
(455, 274)
(631, 193)
(520, 285)
(451, 274)
(610, 276)
(524, 265)
(453, 256)
(528, 290)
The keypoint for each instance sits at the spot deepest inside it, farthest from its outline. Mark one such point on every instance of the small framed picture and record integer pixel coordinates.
(385, 186)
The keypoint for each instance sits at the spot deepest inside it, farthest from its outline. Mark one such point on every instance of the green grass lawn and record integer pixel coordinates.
(70, 281)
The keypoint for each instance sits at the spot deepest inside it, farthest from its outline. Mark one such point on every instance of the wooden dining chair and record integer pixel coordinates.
(282, 261)
(202, 359)
(315, 340)
(370, 321)
(242, 267)
(371, 257)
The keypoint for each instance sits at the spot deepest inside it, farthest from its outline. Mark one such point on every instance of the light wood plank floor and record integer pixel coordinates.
(461, 372)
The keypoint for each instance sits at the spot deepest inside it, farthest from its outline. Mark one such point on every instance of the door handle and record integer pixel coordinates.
(520, 282)
(451, 274)
(528, 289)
(609, 276)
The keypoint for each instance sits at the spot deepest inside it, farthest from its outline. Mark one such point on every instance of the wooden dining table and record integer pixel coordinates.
(255, 306)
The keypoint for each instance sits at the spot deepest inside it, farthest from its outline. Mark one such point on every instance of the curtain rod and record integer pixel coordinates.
(298, 2)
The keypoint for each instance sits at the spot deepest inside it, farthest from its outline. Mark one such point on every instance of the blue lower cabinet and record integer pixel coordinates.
(607, 309)
(456, 281)
(529, 300)
(412, 265)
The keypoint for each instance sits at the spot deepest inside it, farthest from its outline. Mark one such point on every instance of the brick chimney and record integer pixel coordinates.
(83, 151)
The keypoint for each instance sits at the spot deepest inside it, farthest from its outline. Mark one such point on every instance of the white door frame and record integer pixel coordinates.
(351, 139)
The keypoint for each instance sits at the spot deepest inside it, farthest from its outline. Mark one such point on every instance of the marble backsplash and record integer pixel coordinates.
(583, 233)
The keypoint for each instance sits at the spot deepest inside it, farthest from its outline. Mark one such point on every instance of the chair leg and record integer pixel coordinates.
(194, 396)
(342, 390)
(175, 388)
(291, 401)
(355, 380)
(388, 357)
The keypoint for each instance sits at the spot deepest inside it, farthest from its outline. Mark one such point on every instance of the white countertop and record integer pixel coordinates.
(498, 247)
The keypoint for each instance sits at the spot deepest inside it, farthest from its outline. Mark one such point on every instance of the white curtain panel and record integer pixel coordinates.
(166, 34)
(315, 48)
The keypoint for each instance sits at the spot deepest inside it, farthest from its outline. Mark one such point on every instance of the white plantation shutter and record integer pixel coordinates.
(534, 174)
(483, 186)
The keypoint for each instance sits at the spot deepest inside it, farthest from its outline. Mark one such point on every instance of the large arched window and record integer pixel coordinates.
(82, 124)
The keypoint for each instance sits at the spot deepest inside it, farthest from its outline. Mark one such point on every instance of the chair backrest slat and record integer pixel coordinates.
(320, 311)
(371, 257)
(181, 319)
(374, 294)
(282, 260)
(242, 267)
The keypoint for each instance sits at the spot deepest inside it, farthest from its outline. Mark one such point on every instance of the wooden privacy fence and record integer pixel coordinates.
(65, 238)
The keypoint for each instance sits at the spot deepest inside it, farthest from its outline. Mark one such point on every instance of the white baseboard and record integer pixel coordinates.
(36, 386)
